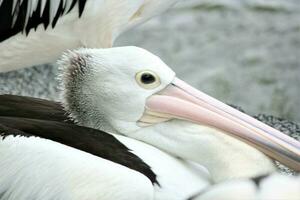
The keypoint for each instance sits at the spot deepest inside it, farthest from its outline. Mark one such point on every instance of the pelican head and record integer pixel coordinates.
(107, 80)
(130, 91)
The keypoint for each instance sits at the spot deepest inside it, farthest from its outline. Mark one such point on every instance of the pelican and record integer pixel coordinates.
(35, 32)
(129, 91)
(44, 155)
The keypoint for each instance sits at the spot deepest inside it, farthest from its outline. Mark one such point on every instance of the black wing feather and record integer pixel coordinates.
(13, 20)
(34, 108)
(26, 116)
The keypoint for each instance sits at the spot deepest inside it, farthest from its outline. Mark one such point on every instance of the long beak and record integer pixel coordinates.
(180, 100)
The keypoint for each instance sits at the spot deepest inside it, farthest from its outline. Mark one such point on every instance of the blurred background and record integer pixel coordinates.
(243, 52)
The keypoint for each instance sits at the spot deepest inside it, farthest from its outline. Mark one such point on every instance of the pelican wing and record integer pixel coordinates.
(34, 108)
(24, 15)
(26, 117)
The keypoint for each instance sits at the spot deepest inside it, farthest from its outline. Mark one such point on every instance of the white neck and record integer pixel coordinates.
(224, 156)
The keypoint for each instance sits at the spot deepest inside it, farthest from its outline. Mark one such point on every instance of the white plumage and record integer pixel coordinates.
(104, 89)
(38, 31)
(108, 89)
(270, 188)
(36, 168)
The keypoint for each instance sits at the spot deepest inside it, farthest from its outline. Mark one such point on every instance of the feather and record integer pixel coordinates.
(23, 15)
(67, 4)
(53, 9)
(34, 5)
(43, 5)
(27, 116)
(29, 7)
(15, 2)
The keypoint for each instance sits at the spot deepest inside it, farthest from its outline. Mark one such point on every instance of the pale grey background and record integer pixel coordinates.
(242, 52)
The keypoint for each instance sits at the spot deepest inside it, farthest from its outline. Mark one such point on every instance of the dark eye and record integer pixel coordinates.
(147, 79)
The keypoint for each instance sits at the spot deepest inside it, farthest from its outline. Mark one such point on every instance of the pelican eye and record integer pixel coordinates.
(147, 79)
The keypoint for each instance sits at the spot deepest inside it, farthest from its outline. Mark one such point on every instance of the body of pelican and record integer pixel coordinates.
(43, 155)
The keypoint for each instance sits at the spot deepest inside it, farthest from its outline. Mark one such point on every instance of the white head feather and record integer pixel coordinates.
(98, 86)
